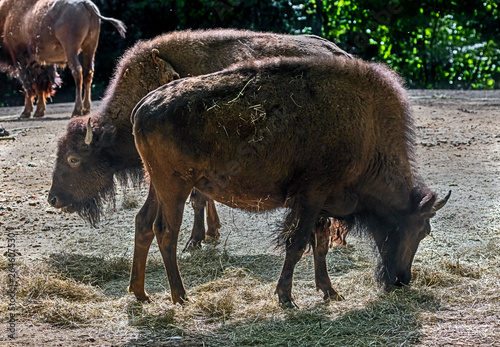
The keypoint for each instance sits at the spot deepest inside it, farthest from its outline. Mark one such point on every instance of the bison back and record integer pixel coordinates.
(265, 125)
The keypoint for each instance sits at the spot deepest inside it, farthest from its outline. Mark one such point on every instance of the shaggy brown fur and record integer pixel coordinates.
(143, 68)
(39, 34)
(324, 137)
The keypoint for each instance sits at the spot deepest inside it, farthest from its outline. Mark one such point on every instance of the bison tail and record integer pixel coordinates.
(118, 24)
(57, 82)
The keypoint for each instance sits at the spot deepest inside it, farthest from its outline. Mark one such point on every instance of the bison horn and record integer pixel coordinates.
(88, 136)
(440, 203)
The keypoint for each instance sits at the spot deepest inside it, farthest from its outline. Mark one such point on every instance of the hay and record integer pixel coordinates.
(232, 301)
(93, 270)
(38, 282)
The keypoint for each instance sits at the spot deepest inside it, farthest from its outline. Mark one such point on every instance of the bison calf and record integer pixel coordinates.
(324, 137)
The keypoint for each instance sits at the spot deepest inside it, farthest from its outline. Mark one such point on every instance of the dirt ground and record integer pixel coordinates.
(458, 148)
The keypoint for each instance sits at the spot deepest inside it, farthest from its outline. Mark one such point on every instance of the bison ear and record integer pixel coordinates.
(427, 202)
(108, 136)
(168, 72)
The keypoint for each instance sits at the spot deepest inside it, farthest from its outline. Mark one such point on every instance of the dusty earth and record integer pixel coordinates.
(458, 148)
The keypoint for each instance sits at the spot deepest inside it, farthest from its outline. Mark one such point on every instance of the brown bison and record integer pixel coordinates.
(89, 158)
(324, 137)
(37, 35)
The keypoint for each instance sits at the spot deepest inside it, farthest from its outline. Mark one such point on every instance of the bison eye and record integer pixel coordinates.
(73, 160)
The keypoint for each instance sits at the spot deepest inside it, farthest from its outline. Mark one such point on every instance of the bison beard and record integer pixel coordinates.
(90, 211)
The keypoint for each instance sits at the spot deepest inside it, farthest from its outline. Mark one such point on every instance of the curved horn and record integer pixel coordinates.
(89, 135)
(440, 203)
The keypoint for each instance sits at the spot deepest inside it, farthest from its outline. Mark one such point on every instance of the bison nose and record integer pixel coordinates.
(52, 200)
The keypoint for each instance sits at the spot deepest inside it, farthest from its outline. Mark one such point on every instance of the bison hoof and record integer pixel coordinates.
(181, 299)
(77, 113)
(143, 297)
(212, 237)
(288, 303)
(330, 294)
(333, 297)
(192, 245)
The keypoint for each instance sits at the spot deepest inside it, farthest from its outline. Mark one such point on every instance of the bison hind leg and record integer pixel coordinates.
(296, 235)
(322, 238)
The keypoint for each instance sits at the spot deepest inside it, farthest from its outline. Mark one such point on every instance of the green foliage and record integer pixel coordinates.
(433, 44)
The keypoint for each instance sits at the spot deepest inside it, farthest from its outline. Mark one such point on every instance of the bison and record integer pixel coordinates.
(37, 35)
(96, 149)
(323, 137)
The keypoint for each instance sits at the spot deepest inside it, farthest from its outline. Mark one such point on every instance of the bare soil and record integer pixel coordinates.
(458, 148)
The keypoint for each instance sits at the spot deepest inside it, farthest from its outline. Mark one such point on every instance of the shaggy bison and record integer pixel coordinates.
(89, 157)
(37, 35)
(324, 137)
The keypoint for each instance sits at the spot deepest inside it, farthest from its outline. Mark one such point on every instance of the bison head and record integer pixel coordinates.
(83, 174)
(398, 240)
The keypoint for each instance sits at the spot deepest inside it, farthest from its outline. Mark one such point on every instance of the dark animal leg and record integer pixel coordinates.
(320, 244)
(76, 71)
(297, 234)
(213, 222)
(166, 228)
(28, 105)
(88, 53)
(40, 104)
(198, 201)
(144, 235)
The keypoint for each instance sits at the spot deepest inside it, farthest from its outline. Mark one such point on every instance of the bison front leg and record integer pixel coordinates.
(144, 235)
(40, 104)
(166, 228)
(320, 244)
(198, 202)
(28, 105)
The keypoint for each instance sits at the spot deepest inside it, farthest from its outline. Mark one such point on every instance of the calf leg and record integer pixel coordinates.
(166, 228)
(213, 222)
(28, 105)
(297, 234)
(144, 235)
(40, 104)
(198, 202)
(321, 244)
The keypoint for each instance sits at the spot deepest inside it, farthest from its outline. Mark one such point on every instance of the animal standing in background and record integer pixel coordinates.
(323, 137)
(97, 149)
(38, 35)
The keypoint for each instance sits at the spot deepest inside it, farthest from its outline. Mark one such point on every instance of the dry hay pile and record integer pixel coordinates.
(233, 301)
